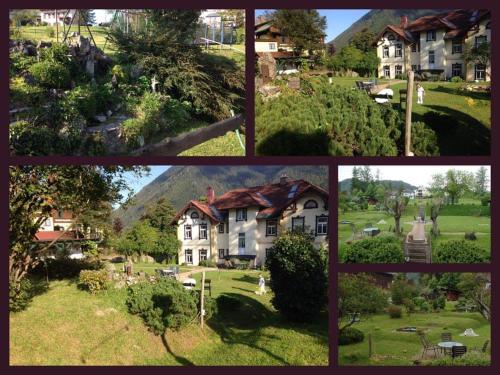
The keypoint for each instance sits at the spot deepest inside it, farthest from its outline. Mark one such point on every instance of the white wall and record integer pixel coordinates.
(266, 46)
(195, 243)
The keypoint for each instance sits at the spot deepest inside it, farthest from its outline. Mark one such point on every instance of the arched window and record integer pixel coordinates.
(311, 203)
(195, 215)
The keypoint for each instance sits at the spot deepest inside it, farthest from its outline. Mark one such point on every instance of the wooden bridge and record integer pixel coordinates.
(417, 248)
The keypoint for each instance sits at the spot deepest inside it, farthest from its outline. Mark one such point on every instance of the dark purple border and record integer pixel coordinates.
(250, 159)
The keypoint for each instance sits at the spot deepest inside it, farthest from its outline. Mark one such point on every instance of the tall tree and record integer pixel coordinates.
(481, 181)
(160, 215)
(395, 204)
(22, 17)
(235, 15)
(477, 287)
(305, 28)
(454, 183)
(436, 206)
(117, 226)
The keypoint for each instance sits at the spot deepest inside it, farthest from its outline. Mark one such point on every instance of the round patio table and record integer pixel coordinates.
(449, 344)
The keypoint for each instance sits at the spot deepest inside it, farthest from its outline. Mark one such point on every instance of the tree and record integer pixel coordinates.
(454, 183)
(235, 15)
(358, 293)
(478, 54)
(395, 204)
(436, 206)
(401, 290)
(87, 17)
(160, 215)
(142, 237)
(117, 226)
(363, 40)
(476, 287)
(305, 28)
(299, 277)
(481, 181)
(36, 191)
(23, 17)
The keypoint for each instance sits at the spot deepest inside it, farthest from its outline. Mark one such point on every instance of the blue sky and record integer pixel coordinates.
(102, 15)
(337, 19)
(137, 184)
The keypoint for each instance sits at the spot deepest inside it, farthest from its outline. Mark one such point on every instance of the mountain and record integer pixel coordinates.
(345, 185)
(180, 184)
(376, 19)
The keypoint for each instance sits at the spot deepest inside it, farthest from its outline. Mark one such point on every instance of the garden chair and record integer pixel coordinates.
(458, 351)
(483, 348)
(427, 347)
(446, 336)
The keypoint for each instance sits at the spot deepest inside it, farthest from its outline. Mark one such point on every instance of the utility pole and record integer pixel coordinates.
(409, 102)
(202, 300)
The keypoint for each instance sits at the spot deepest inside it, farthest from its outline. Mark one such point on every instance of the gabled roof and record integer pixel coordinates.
(271, 199)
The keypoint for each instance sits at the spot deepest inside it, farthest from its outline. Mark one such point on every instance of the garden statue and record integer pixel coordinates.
(420, 94)
(154, 83)
(262, 286)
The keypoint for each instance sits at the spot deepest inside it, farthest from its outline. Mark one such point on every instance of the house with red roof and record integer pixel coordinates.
(434, 44)
(243, 223)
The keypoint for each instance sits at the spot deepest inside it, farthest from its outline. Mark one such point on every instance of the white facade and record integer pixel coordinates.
(48, 16)
(251, 237)
(432, 51)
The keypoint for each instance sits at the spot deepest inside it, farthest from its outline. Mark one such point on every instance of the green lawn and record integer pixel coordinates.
(451, 227)
(398, 348)
(227, 145)
(75, 328)
(149, 268)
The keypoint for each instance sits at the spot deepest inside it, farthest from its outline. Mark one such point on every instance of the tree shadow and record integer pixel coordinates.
(248, 279)
(484, 95)
(109, 338)
(458, 133)
(181, 360)
(286, 142)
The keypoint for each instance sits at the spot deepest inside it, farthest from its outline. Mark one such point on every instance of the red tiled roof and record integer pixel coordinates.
(70, 235)
(272, 199)
(278, 55)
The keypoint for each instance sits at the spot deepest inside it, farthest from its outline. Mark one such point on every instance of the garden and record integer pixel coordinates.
(119, 89)
(328, 103)
(383, 224)
(414, 319)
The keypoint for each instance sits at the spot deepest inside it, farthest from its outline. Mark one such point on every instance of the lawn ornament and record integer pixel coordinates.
(469, 332)
(384, 96)
(189, 283)
(262, 286)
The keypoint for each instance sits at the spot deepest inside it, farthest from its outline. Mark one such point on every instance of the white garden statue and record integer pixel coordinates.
(262, 286)
(469, 332)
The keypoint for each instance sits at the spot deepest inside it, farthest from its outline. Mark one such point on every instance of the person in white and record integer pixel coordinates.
(420, 94)
(262, 286)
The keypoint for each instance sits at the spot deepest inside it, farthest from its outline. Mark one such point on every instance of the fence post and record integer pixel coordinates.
(409, 102)
(202, 299)
(370, 347)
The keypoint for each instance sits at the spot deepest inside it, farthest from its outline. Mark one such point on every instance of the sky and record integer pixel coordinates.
(337, 19)
(102, 15)
(416, 175)
(137, 184)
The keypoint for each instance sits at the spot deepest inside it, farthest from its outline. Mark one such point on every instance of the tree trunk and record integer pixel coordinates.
(435, 230)
(397, 227)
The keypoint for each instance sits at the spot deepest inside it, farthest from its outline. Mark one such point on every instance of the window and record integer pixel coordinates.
(221, 228)
(456, 70)
(387, 71)
(390, 37)
(272, 46)
(189, 256)
(321, 225)
(188, 232)
(415, 47)
(414, 68)
(298, 223)
(431, 57)
(203, 231)
(241, 242)
(271, 228)
(480, 40)
(431, 35)
(221, 253)
(399, 70)
(47, 222)
(227, 227)
(268, 251)
(480, 72)
(456, 46)
(195, 215)
(203, 255)
(311, 203)
(399, 51)
(241, 214)
(385, 52)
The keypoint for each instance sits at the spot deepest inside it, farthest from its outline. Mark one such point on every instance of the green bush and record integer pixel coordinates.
(19, 62)
(424, 140)
(29, 139)
(350, 335)
(395, 312)
(90, 249)
(332, 120)
(460, 251)
(93, 281)
(471, 236)
(299, 278)
(207, 263)
(439, 303)
(50, 74)
(456, 79)
(228, 303)
(23, 94)
(65, 268)
(421, 304)
(401, 290)
(162, 305)
(21, 293)
(381, 249)
(210, 304)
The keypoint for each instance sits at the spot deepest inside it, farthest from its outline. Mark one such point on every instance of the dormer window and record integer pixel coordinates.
(241, 214)
(311, 203)
(431, 35)
(195, 215)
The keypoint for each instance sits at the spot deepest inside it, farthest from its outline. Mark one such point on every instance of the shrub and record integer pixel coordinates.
(207, 263)
(30, 139)
(162, 305)
(401, 290)
(421, 304)
(395, 312)
(50, 74)
(465, 304)
(382, 249)
(471, 236)
(19, 63)
(228, 303)
(299, 277)
(424, 140)
(210, 304)
(460, 251)
(93, 281)
(409, 305)
(456, 79)
(65, 268)
(350, 335)
(439, 303)
(21, 293)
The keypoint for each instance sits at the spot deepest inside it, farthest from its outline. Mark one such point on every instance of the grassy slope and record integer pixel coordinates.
(227, 145)
(397, 348)
(74, 327)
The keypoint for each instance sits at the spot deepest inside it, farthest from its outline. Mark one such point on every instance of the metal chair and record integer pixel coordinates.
(458, 351)
(485, 346)
(446, 336)
(426, 346)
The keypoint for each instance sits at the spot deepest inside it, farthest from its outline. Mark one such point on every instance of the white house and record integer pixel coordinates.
(434, 43)
(53, 16)
(243, 223)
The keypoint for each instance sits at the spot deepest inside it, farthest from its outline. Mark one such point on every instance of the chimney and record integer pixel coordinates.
(210, 195)
(283, 180)
(404, 22)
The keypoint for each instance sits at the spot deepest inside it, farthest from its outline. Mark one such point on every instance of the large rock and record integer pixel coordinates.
(267, 67)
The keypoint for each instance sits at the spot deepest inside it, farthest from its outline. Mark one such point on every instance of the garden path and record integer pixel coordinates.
(185, 275)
